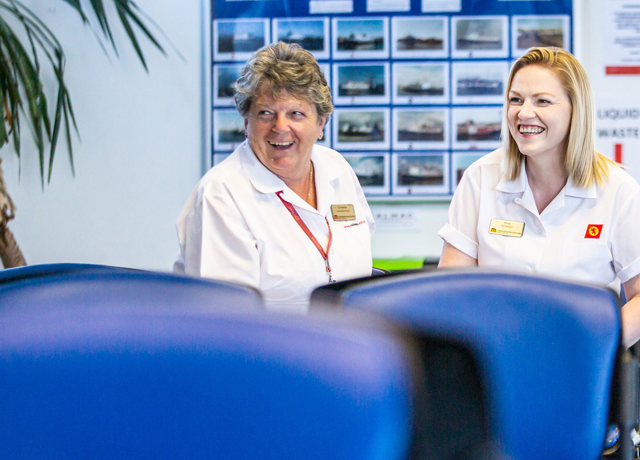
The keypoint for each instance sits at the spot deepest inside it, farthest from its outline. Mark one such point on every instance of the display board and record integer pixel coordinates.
(417, 84)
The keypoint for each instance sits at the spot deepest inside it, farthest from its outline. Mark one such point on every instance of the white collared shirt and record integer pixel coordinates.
(235, 228)
(555, 242)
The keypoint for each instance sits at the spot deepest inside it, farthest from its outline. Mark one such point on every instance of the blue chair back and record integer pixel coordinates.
(38, 270)
(79, 287)
(546, 349)
(144, 365)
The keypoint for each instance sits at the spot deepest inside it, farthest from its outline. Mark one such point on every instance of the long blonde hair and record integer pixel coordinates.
(582, 161)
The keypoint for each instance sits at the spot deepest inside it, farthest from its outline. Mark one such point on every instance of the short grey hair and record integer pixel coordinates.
(283, 66)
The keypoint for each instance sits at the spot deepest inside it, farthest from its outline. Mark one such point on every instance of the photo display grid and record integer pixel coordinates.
(418, 86)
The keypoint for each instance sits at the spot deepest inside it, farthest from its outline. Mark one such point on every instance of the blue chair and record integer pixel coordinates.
(102, 286)
(146, 365)
(37, 270)
(547, 350)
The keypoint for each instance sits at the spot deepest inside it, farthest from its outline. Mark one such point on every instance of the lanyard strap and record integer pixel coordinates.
(323, 252)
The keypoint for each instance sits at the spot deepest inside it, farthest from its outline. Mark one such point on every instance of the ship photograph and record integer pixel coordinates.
(420, 126)
(540, 31)
(414, 34)
(480, 37)
(240, 36)
(361, 80)
(360, 34)
(308, 33)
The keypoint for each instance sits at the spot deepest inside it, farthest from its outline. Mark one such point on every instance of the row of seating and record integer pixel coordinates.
(109, 362)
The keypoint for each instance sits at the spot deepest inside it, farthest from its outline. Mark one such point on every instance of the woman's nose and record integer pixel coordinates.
(526, 110)
(280, 122)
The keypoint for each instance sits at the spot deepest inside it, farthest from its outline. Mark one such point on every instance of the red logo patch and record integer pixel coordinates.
(593, 231)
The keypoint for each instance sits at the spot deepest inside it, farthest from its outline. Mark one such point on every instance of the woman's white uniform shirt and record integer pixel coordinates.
(585, 234)
(235, 228)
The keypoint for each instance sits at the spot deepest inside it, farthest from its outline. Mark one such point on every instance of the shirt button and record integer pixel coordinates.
(517, 201)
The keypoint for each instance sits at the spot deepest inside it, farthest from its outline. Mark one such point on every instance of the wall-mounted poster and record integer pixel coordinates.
(420, 37)
(358, 83)
(238, 39)
(527, 31)
(420, 128)
(420, 172)
(480, 37)
(228, 129)
(360, 38)
(310, 33)
(421, 82)
(372, 170)
(417, 85)
(476, 127)
(224, 75)
(361, 129)
(475, 82)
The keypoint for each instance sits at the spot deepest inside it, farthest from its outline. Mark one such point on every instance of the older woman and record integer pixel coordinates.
(281, 213)
(548, 202)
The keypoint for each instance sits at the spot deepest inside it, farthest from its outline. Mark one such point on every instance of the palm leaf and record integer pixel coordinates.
(21, 88)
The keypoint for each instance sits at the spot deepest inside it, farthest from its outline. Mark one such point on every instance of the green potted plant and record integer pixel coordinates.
(27, 49)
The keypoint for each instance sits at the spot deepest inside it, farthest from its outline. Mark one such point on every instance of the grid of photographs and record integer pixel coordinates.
(417, 98)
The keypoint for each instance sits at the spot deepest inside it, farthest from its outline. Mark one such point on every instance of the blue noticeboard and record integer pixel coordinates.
(417, 84)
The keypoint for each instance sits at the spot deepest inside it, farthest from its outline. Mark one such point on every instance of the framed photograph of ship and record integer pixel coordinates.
(460, 161)
(361, 129)
(476, 127)
(224, 75)
(528, 31)
(372, 170)
(479, 37)
(228, 129)
(421, 82)
(238, 39)
(421, 128)
(357, 83)
(419, 37)
(420, 173)
(475, 82)
(360, 38)
(310, 33)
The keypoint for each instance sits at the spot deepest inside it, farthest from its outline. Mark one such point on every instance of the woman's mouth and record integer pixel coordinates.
(530, 129)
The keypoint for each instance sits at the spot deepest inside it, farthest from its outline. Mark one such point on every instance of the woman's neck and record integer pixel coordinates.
(546, 180)
(305, 186)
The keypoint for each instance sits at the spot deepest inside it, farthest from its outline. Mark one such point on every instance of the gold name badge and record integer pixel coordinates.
(343, 212)
(506, 227)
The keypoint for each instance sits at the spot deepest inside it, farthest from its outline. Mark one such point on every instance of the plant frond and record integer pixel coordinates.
(22, 61)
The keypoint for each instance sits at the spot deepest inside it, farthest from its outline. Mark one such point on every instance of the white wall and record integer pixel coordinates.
(140, 151)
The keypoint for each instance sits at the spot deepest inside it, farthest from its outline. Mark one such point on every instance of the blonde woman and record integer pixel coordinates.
(547, 201)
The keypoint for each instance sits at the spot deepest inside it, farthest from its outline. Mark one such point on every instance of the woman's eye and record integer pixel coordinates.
(297, 115)
(265, 115)
(515, 100)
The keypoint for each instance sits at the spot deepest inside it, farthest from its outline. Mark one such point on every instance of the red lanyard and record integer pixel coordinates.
(324, 253)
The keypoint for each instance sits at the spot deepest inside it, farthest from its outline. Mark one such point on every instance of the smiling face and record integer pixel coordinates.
(539, 113)
(282, 132)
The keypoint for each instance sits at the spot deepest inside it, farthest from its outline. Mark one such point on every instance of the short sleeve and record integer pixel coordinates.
(625, 244)
(460, 229)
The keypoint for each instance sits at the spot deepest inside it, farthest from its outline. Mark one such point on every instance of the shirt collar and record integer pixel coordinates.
(520, 184)
(266, 181)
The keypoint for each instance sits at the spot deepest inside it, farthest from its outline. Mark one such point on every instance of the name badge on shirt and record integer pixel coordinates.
(343, 212)
(506, 227)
